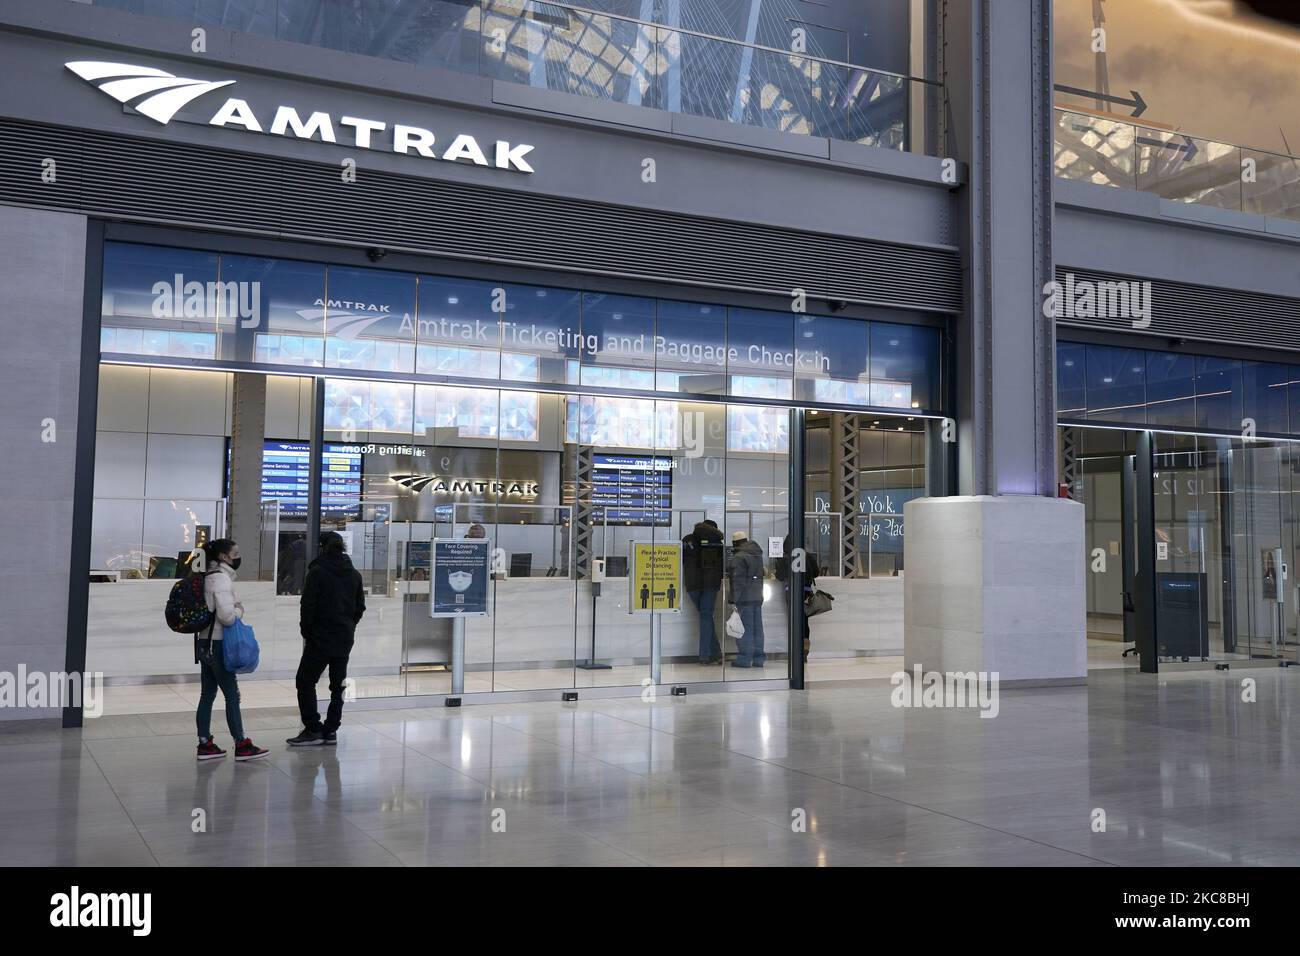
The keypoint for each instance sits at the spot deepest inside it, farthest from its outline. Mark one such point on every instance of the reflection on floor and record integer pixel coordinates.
(124, 699)
(1187, 773)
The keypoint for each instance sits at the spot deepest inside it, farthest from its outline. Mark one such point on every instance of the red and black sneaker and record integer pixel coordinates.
(209, 751)
(247, 750)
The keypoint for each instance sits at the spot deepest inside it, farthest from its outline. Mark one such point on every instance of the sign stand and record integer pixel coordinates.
(460, 571)
(655, 588)
(656, 646)
(457, 656)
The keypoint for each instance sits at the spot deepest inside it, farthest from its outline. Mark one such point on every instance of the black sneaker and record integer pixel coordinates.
(329, 737)
(209, 751)
(247, 750)
(308, 738)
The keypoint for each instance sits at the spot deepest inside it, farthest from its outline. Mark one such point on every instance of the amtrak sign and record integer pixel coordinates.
(160, 95)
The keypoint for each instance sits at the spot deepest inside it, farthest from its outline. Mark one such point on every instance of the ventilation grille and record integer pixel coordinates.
(181, 184)
(1202, 313)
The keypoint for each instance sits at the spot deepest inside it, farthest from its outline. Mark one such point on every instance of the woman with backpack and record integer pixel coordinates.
(222, 561)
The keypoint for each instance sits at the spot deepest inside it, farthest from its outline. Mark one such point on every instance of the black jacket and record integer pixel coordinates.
(745, 573)
(812, 568)
(703, 558)
(333, 601)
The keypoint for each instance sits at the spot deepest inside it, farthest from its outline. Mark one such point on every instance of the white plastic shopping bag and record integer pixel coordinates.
(735, 626)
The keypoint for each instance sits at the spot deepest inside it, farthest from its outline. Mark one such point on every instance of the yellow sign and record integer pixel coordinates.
(656, 577)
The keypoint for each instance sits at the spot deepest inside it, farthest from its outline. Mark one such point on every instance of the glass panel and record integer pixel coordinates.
(367, 462)
(757, 522)
(691, 348)
(1182, 531)
(460, 335)
(760, 353)
(535, 609)
(1186, 169)
(1275, 190)
(370, 320)
(1219, 394)
(1171, 388)
(1071, 376)
(1116, 384)
(1259, 511)
(1100, 486)
(290, 326)
(904, 366)
(1265, 390)
(833, 360)
(1094, 150)
(618, 335)
(694, 640)
(615, 458)
(541, 328)
(160, 301)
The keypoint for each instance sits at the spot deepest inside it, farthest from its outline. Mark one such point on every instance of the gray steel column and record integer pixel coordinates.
(997, 71)
(798, 470)
(846, 484)
(1144, 580)
(247, 433)
(314, 472)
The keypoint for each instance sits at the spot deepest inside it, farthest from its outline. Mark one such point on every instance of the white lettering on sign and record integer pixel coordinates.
(160, 95)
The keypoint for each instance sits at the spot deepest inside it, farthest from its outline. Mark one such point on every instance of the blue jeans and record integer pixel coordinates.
(212, 676)
(706, 600)
(751, 645)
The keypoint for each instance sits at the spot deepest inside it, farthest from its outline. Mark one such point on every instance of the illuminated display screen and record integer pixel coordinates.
(632, 489)
(286, 467)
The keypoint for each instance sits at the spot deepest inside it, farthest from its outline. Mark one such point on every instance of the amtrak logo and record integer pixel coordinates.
(437, 484)
(159, 95)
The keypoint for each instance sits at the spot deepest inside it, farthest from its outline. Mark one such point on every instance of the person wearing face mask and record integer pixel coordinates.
(222, 559)
(333, 601)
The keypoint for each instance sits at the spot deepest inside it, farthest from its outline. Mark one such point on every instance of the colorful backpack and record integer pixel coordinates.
(187, 605)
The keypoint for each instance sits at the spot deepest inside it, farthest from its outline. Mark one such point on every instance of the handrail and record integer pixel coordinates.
(721, 39)
(1125, 121)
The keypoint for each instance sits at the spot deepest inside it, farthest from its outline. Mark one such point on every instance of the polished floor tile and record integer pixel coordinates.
(1129, 770)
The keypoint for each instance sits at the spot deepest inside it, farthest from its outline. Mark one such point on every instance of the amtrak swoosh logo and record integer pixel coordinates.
(158, 94)
(414, 482)
(340, 325)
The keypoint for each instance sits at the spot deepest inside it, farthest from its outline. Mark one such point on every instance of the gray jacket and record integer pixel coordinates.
(745, 573)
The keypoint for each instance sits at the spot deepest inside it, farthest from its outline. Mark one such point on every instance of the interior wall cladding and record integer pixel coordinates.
(181, 184)
(1201, 313)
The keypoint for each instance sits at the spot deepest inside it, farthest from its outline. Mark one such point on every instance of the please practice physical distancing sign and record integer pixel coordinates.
(656, 577)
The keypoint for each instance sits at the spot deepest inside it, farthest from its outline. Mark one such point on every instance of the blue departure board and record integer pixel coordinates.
(632, 490)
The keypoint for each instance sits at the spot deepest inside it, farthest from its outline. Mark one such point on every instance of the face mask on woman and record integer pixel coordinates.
(234, 565)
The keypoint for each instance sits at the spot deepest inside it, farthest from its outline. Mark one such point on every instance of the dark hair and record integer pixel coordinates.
(710, 522)
(331, 542)
(213, 550)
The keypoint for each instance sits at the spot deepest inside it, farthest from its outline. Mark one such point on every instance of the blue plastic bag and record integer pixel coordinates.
(239, 650)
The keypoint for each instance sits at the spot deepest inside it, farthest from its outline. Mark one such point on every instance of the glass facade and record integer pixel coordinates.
(1223, 470)
(562, 424)
(1117, 385)
(832, 69)
(169, 303)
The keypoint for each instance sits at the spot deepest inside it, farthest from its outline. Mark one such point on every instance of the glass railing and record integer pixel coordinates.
(606, 56)
(1176, 166)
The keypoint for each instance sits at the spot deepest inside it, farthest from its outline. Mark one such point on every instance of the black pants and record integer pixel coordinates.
(310, 668)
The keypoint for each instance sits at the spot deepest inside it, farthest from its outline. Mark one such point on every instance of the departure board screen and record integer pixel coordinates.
(285, 467)
(632, 489)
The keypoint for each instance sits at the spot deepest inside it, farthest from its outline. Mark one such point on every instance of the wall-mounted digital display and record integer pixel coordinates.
(286, 466)
(632, 489)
